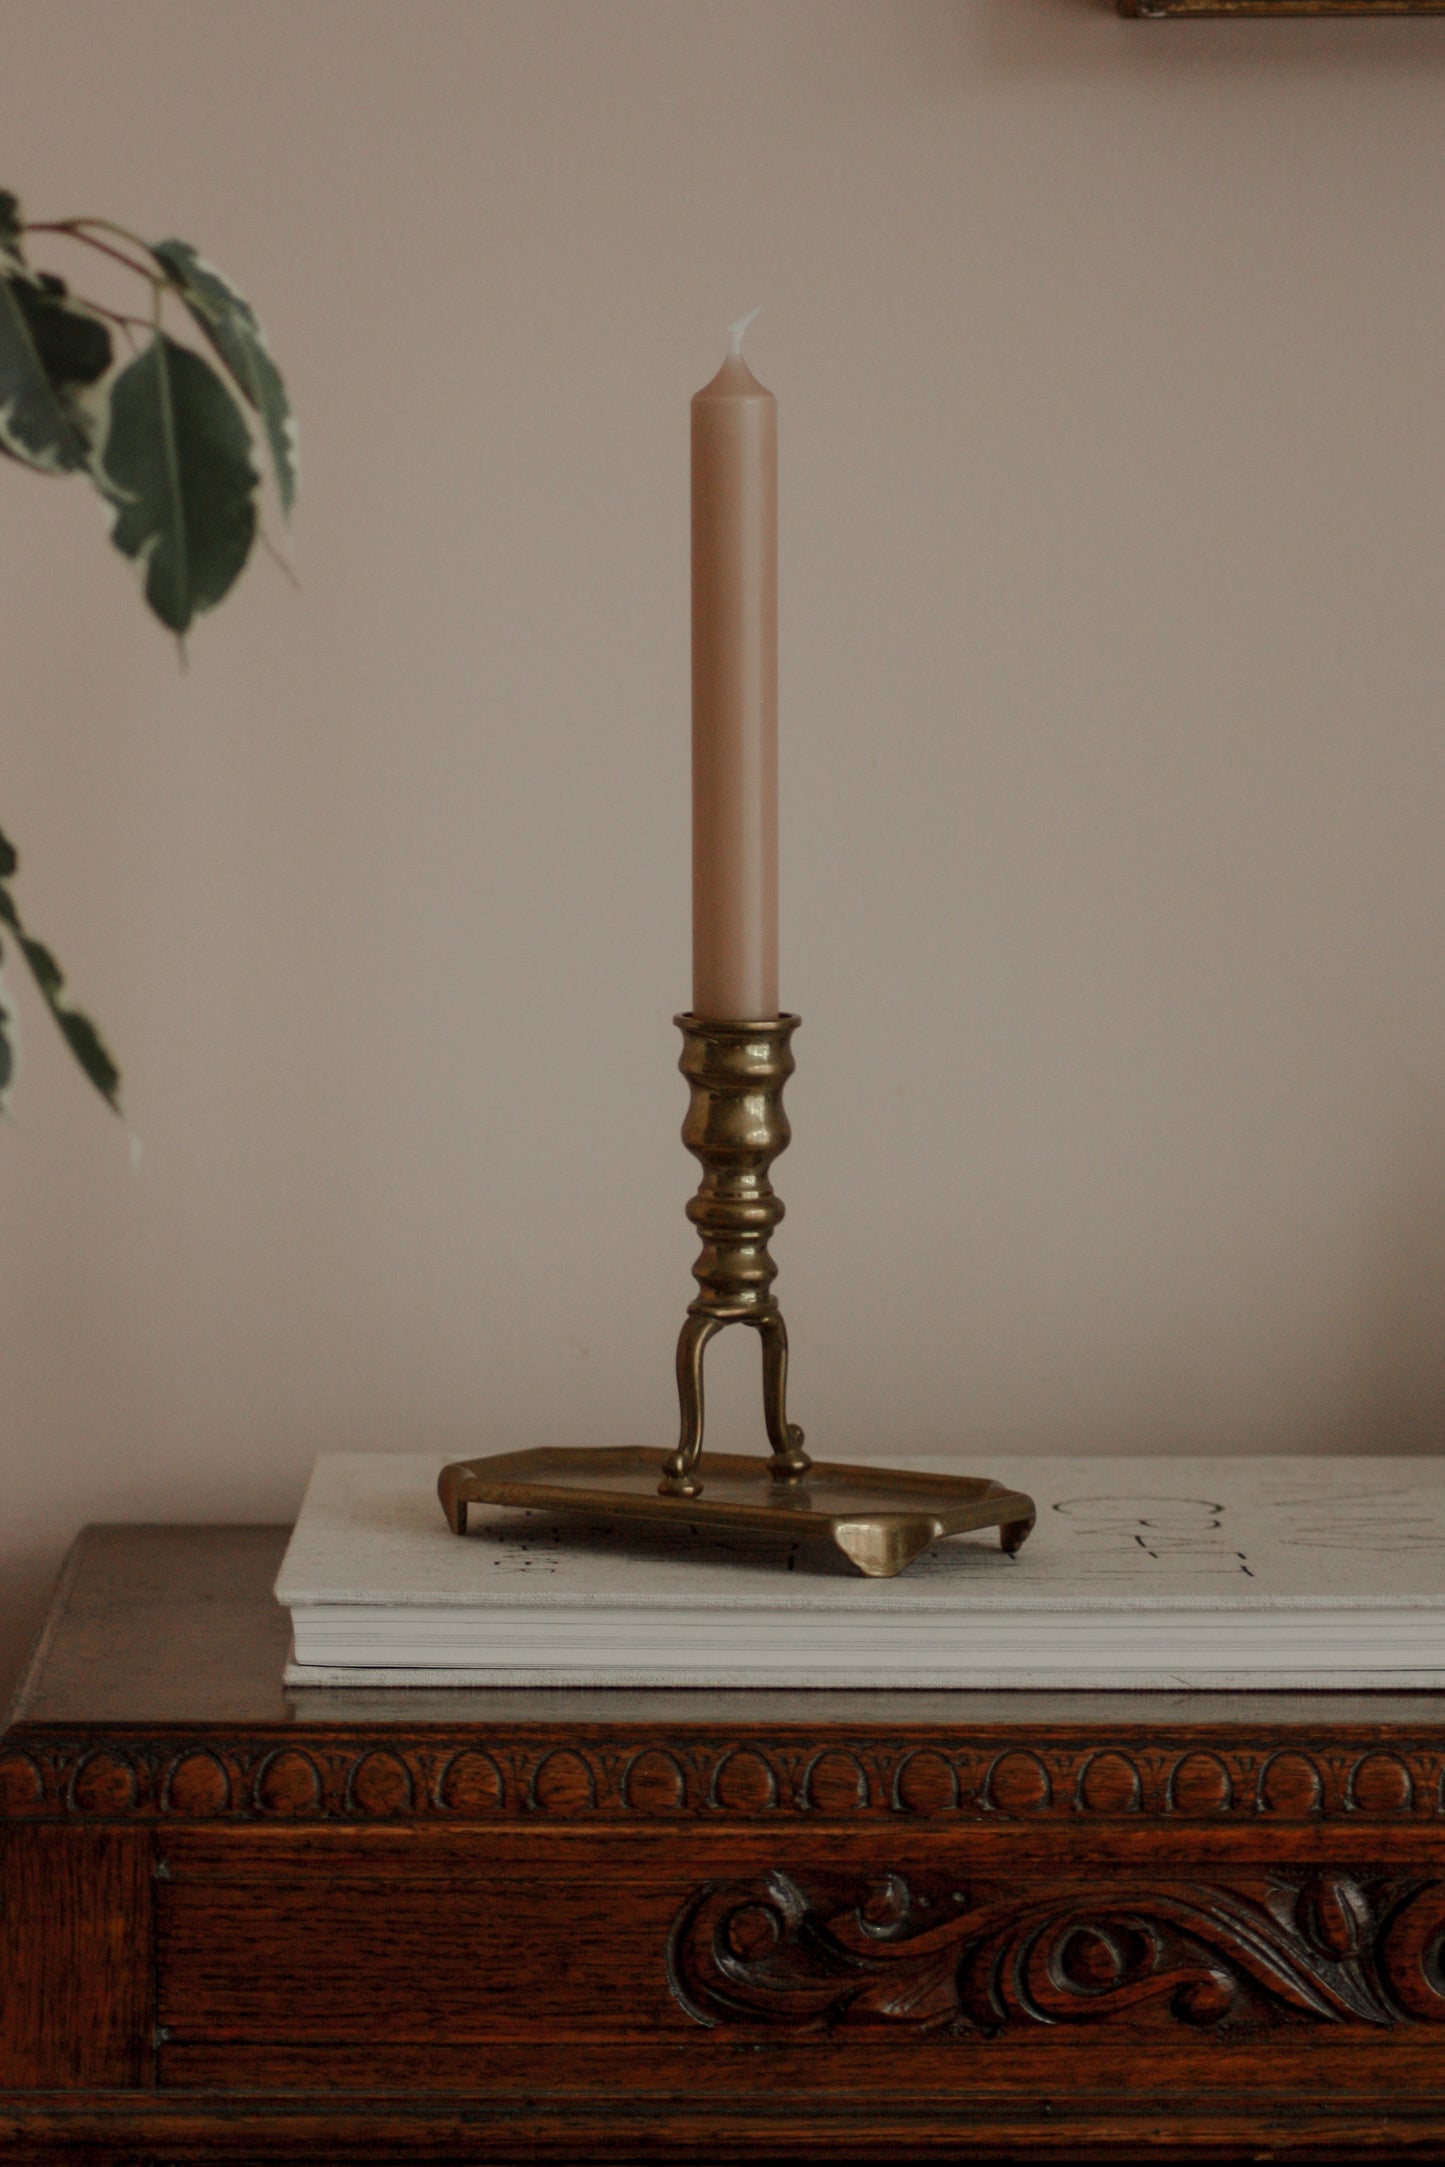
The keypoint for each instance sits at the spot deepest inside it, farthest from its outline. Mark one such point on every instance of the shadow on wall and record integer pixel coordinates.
(1402, 1405)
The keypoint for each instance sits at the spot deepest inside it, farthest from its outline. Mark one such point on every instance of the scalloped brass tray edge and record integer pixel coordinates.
(894, 1517)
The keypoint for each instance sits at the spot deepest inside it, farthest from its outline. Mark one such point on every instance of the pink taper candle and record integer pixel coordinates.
(735, 694)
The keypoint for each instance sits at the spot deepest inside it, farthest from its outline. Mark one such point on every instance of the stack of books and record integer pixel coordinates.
(1267, 1572)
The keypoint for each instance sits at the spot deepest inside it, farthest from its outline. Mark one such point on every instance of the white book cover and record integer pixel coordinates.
(1276, 1572)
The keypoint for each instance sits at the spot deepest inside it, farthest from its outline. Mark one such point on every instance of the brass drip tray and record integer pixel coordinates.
(879, 1518)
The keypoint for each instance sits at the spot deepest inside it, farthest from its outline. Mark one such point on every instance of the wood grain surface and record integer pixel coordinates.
(244, 1925)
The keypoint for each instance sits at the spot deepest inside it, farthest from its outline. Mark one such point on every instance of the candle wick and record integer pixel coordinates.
(737, 331)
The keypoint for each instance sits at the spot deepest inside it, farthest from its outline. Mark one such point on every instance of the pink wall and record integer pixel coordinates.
(1110, 361)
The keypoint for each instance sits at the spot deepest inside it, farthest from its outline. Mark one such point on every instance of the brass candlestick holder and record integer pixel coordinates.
(879, 1518)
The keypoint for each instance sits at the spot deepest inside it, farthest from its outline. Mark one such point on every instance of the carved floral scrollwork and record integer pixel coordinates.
(1325, 1948)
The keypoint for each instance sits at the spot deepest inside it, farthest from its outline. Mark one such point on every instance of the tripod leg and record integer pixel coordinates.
(678, 1479)
(790, 1461)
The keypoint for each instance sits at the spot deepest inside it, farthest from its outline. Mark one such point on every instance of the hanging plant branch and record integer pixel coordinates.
(79, 1033)
(164, 437)
(161, 434)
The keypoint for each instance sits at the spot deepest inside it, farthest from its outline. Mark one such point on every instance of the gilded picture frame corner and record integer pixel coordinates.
(1179, 10)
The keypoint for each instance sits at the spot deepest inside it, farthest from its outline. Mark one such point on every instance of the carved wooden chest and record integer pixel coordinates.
(245, 1925)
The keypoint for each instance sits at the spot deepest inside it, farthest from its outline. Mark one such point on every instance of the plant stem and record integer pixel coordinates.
(75, 229)
(115, 316)
(108, 225)
(277, 556)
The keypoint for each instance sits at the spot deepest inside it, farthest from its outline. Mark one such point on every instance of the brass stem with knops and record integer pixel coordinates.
(735, 1128)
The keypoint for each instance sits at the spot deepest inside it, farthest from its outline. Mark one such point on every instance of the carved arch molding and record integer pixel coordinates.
(1320, 1949)
(557, 1774)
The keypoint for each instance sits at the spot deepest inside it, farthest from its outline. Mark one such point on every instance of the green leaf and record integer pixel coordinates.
(178, 469)
(79, 1032)
(229, 322)
(12, 227)
(7, 1046)
(52, 351)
